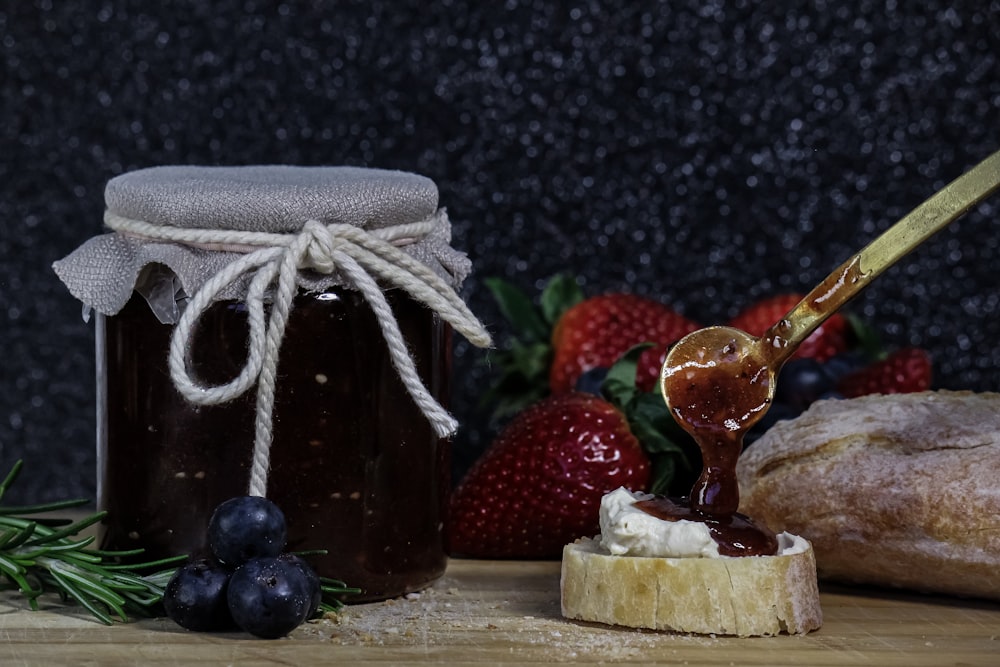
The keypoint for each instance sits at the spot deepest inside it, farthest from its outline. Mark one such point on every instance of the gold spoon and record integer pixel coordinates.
(719, 381)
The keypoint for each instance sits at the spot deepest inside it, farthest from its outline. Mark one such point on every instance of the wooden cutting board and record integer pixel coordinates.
(507, 613)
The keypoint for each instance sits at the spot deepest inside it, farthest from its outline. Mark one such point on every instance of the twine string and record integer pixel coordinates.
(273, 261)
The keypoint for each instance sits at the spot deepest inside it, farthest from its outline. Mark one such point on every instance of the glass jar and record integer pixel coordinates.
(355, 466)
(334, 413)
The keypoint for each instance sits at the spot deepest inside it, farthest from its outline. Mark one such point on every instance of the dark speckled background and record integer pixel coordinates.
(703, 152)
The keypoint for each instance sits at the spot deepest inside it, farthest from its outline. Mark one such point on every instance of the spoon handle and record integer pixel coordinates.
(944, 207)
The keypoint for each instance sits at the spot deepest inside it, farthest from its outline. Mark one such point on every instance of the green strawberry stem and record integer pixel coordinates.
(866, 339)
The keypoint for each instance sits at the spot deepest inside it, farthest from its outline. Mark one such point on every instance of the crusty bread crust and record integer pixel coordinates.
(751, 596)
(900, 490)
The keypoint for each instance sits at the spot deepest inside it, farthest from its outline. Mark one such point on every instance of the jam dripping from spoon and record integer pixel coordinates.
(719, 381)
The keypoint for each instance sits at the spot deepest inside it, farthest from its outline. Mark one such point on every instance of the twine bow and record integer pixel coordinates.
(273, 262)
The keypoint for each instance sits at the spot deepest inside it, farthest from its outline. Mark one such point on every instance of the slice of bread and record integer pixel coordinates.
(900, 490)
(749, 596)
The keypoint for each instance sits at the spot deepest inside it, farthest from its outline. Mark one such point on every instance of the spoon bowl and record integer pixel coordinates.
(717, 379)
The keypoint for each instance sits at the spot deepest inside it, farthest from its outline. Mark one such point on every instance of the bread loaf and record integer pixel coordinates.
(749, 596)
(900, 490)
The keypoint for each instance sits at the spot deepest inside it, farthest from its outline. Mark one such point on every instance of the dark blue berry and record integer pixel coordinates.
(269, 597)
(845, 363)
(315, 585)
(195, 597)
(244, 528)
(801, 382)
(591, 380)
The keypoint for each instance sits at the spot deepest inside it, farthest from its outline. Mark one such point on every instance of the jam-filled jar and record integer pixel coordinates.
(347, 406)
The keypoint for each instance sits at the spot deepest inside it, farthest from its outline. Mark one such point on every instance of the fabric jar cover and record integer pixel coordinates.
(103, 272)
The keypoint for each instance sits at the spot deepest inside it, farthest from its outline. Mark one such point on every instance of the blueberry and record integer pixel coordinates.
(195, 597)
(591, 380)
(244, 528)
(315, 585)
(801, 382)
(845, 363)
(269, 597)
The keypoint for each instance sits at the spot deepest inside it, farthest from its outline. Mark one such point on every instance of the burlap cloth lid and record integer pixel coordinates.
(103, 271)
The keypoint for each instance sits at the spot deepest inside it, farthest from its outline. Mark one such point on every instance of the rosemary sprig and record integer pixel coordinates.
(46, 555)
(332, 590)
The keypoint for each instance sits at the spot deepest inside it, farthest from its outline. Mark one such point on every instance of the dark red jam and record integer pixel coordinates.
(355, 465)
(735, 533)
(715, 407)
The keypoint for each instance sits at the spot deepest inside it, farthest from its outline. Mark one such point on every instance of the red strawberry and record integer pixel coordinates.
(564, 335)
(540, 483)
(829, 339)
(597, 331)
(904, 371)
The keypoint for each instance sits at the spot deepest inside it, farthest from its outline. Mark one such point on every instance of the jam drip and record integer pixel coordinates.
(716, 395)
(713, 406)
(735, 533)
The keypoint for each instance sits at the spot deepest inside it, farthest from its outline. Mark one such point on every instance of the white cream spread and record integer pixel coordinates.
(628, 531)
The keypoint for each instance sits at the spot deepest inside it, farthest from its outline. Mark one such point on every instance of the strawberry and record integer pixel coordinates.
(597, 331)
(828, 340)
(904, 371)
(539, 484)
(566, 334)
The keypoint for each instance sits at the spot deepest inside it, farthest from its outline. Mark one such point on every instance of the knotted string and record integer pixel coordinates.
(273, 262)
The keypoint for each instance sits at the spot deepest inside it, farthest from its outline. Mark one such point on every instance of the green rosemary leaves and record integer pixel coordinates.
(44, 555)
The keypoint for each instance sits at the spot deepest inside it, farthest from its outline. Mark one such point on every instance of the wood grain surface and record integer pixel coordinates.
(507, 613)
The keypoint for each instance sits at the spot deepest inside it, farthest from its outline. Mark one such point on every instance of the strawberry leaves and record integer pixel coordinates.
(559, 295)
(524, 364)
(534, 323)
